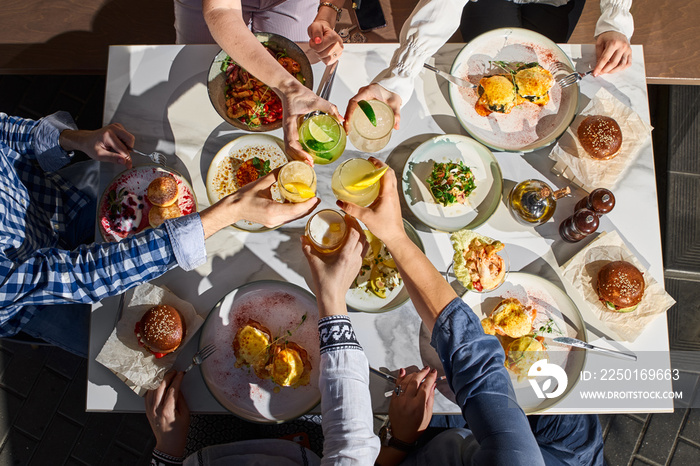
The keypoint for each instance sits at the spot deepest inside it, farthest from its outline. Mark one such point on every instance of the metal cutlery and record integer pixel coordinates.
(582, 344)
(201, 355)
(392, 379)
(156, 157)
(572, 78)
(453, 79)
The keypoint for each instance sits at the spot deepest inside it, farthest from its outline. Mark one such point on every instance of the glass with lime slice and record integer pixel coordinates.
(297, 182)
(357, 181)
(322, 137)
(371, 125)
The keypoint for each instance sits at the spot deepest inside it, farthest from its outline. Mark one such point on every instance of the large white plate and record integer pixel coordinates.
(550, 302)
(135, 181)
(481, 203)
(280, 307)
(366, 301)
(528, 126)
(275, 147)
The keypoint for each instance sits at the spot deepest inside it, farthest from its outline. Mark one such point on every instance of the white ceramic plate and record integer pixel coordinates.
(481, 203)
(243, 148)
(550, 302)
(280, 307)
(528, 126)
(135, 182)
(366, 301)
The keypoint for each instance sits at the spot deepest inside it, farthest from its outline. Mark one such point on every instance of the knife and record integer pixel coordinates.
(582, 344)
(453, 79)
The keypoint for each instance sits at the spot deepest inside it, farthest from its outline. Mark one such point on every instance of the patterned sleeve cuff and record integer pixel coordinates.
(187, 238)
(49, 152)
(336, 333)
(161, 459)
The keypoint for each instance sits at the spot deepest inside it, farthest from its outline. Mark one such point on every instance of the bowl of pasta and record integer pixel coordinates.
(243, 100)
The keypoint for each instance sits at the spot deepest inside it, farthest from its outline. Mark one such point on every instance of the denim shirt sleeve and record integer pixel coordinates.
(45, 145)
(473, 363)
(187, 239)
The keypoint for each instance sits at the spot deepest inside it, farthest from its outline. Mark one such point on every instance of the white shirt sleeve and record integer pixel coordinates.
(346, 405)
(615, 16)
(427, 29)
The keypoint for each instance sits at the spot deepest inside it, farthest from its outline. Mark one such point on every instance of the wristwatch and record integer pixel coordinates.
(388, 440)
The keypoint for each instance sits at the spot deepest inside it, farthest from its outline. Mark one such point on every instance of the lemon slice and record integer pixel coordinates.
(299, 188)
(317, 133)
(368, 111)
(367, 180)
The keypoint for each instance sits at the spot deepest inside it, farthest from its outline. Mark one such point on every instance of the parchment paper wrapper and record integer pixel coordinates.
(582, 272)
(121, 353)
(576, 165)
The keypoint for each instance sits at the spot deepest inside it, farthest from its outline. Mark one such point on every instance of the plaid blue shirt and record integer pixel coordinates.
(35, 208)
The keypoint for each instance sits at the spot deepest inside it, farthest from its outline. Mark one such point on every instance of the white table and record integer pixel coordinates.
(159, 94)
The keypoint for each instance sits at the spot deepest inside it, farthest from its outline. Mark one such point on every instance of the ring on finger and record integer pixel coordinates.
(398, 390)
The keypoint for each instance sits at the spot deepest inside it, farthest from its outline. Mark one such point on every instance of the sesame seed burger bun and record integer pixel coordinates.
(600, 136)
(162, 329)
(620, 286)
(162, 191)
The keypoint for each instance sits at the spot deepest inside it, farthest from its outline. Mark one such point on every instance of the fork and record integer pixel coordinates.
(156, 157)
(201, 355)
(572, 78)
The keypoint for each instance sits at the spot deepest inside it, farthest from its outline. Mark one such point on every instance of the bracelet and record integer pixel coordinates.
(338, 11)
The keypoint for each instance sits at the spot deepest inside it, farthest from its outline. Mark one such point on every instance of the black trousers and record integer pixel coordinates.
(557, 23)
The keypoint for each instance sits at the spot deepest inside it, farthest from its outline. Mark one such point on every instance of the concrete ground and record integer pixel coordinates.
(42, 389)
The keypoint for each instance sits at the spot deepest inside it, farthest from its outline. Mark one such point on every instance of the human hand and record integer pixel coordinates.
(254, 202)
(613, 53)
(168, 414)
(374, 92)
(383, 217)
(333, 274)
(410, 411)
(111, 143)
(323, 40)
(296, 103)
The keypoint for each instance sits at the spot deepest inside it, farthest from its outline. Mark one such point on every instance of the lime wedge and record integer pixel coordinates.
(318, 133)
(368, 180)
(369, 111)
(299, 188)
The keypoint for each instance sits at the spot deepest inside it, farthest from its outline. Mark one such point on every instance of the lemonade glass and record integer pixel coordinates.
(347, 174)
(297, 181)
(367, 137)
(326, 230)
(322, 137)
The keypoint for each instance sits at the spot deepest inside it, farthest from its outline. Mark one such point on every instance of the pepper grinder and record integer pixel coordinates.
(601, 201)
(581, 224)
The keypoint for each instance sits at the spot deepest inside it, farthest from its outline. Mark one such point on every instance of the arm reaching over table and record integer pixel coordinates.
(344, 383)
(473, 361)
(613, 32)
(225, 21)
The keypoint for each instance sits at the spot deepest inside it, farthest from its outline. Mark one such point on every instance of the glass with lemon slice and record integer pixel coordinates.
(297, 182)
(371, 125)
(322, 137)
(357, 181)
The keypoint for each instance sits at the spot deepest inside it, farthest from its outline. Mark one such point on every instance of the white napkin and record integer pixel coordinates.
(121, 353)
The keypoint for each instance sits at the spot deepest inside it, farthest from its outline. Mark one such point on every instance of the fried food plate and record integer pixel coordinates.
(280, 306)
(135, 182)
(528, 126)
(481, 203)
(366, 301)
(551, 303)
(238, 151)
